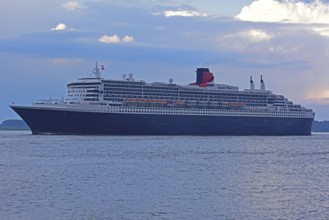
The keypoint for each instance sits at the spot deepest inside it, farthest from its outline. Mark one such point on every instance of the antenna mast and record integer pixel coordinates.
(97, 71)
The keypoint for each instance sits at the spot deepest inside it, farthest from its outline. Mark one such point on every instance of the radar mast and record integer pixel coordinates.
(97, 71)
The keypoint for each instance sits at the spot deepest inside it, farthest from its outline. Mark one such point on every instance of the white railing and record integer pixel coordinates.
(48, 102)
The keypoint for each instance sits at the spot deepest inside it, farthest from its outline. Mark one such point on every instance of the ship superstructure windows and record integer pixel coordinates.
(84, 90)
(163, 95)
(120, 90)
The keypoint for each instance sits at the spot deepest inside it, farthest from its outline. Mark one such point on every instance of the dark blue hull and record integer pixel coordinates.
(44, 121)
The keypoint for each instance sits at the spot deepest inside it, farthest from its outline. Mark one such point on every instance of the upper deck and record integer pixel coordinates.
(202, 94)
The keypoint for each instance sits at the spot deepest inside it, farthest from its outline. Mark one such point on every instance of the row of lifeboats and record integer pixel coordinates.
(133, 100)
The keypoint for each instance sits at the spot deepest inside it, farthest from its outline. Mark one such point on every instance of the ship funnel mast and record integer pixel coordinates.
(262, 84)
(252, 85)
(97, 71)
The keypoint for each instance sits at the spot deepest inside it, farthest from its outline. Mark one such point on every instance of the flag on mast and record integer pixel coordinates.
(102, 67)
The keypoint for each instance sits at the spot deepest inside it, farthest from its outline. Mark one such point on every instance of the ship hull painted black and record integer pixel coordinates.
(50, 121)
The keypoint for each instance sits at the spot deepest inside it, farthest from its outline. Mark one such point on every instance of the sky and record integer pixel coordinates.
(46, 44)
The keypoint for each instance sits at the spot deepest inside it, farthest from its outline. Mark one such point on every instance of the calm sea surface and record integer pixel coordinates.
(134, 177)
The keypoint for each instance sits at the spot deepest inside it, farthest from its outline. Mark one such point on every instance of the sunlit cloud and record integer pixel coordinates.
(255, 35)
(318, 96)
(60, 27)
(128, 39)
(72, 6)
(287, 11)
(115, 39)
(182, 13)
(323, 31)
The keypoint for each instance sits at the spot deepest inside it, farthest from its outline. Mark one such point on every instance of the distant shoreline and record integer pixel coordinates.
(320, 126)
(14, 125)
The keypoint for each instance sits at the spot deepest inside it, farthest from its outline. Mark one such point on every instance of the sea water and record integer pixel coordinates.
(163, 177)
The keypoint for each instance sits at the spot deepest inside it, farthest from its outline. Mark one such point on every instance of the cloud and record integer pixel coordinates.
(249, 40)
(287, 11)
(255, 35)
(318, 96)
(322, 31)
(115, 39)
(182, 13)
(60, 27)
(128, 39)
(72, 6)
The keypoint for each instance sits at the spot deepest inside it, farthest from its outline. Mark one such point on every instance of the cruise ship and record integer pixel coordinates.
(98, 106)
